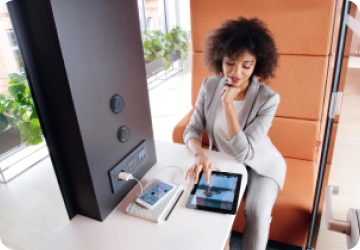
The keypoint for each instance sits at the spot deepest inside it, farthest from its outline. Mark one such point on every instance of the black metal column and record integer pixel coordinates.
(78, 54)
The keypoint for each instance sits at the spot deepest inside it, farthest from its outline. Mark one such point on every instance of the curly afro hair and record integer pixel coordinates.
(238, 36)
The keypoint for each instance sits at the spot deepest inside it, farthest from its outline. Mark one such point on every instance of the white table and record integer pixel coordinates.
(185, 229)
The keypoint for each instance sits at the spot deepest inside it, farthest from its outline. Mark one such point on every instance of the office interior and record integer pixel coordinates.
(39, 199)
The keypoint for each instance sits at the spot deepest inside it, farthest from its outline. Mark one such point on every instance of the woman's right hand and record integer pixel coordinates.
(202, 163)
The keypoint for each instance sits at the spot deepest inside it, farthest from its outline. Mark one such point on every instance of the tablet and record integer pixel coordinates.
(220, 195)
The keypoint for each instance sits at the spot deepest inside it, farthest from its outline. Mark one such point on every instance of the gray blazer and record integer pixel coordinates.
(251, 146)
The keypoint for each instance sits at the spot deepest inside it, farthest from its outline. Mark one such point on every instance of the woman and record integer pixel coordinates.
(237, 110)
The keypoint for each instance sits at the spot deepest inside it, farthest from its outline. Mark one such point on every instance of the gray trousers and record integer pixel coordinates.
(261, 193)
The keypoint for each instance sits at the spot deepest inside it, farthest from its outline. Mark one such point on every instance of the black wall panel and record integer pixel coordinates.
(78, 54)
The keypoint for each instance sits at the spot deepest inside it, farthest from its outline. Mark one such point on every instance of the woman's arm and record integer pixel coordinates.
(232, 120)
(228, 94)
(244, 143)
(202, 161)
(192, 139)
(194, 145)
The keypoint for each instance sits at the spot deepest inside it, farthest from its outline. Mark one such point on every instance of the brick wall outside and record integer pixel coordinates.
(7, 59)
(151, 10)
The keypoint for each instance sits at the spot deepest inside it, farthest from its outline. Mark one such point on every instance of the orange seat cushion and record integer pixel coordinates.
(292, 209)
(294, 138)
(300, 82)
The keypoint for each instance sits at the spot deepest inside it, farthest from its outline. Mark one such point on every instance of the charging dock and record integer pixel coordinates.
(130, 164)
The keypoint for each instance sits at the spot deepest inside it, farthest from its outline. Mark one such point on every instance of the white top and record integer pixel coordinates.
(185, 229)
(220, 127)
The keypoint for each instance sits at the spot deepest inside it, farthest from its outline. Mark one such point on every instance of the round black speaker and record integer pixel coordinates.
(117, 103)
(124, 133)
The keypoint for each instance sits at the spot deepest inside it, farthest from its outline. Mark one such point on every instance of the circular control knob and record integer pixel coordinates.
(117, 103)
(124, 133)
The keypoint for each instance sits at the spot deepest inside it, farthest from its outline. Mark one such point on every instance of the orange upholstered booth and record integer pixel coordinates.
(305, 32)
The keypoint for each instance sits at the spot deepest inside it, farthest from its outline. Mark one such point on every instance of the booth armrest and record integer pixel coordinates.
(179, 129)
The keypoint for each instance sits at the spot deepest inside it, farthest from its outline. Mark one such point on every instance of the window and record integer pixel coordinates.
(153, 15)
(148, 23)
(15, 49)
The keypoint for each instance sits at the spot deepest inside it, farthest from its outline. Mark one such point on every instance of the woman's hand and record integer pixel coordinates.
(202, 163)
(229, 92)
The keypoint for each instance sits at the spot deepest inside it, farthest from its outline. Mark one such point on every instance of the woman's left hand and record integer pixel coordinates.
(229, 92)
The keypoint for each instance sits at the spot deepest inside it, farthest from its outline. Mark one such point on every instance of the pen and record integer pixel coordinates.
(174, 205)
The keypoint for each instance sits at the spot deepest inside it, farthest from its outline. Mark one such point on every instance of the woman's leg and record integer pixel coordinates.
(260, 198)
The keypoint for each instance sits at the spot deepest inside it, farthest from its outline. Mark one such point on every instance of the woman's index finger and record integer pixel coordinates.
(207, 173)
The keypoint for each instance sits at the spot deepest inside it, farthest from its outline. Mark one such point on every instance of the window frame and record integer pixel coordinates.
(165, 18)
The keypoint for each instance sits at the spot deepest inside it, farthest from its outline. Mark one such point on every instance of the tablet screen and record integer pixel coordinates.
(220, 195)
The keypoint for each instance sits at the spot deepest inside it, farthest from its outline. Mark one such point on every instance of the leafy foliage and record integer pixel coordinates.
(19, 110)
(159, 46)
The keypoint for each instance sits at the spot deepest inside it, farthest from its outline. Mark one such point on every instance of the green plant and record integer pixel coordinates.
(19, 110)
(179, 40)
(154, 45)
(159, 46)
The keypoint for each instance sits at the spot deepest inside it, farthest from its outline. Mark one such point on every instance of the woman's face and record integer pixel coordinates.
(238, 70)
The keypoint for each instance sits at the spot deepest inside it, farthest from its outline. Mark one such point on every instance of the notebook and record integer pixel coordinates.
(158, 212)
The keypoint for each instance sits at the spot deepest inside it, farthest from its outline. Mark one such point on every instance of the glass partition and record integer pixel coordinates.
(343, 161)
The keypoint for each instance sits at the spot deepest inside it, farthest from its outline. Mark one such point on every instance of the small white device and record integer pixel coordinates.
(154, 194)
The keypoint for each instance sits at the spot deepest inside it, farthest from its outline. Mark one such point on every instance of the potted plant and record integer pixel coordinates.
(160, 50)
(177, 44)
(153, 51)
(19, 111)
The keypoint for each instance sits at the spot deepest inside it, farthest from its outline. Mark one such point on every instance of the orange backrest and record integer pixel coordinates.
(302, 31)
(301, 27)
